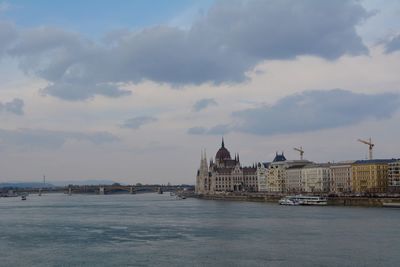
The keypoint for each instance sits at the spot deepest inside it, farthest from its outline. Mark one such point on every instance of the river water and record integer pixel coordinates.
(158, 230)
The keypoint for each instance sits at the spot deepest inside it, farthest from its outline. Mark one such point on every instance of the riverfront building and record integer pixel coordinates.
(370, 176)
(293, 180)
(276, 174)
(316, 178)
(225, 174)
(394, 176)
(341, 177)
(278, 180)
(262, 175)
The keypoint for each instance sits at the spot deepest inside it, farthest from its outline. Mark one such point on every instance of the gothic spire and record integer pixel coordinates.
(223, 144)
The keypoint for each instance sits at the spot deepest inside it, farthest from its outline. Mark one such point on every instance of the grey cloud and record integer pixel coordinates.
(197, 130)
(78, 91)
(26, 139)
(310, 111)
(203, 104)
(218, 130)
(15, 106)
(393, 45)
(8, 34)
(137, 122)
(220, 47)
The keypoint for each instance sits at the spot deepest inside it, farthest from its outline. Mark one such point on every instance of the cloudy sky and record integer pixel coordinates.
(133, 90)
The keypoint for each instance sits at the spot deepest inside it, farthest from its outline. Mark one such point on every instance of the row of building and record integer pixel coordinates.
(226, 174)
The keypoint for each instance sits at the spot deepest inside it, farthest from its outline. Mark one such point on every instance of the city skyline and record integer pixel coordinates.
(133, 92)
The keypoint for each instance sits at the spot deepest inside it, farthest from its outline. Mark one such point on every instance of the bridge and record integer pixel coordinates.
(99, 189)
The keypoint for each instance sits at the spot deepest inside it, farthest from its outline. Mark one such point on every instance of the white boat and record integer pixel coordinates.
(314, 201)
(287, 201)
(303, 200)
(23, 197)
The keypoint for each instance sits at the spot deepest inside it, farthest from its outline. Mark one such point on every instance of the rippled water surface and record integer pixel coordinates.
(157, 230)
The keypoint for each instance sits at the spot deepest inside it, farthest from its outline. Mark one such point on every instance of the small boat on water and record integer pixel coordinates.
(303, 200)
(23, 197)
(287, 201)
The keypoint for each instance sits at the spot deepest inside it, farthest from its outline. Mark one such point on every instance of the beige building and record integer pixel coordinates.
(277, 177)
(276, 174)
(293, 180)
(316, 178)
(370, 176)
(341, 177)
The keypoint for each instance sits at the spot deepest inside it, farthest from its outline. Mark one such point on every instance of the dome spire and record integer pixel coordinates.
(222, 153)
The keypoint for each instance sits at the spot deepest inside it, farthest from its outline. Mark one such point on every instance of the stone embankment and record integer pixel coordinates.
(332, 201)
(364, 201)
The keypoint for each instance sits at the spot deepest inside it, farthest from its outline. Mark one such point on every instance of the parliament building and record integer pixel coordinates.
(225, 174)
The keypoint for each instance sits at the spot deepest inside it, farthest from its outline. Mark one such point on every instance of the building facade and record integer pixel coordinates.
(370, 176)
(225, 174)
(341, 177)
(262, 174)
(394, 176)
(276, 174)
(293, 180)
(316, 178)
(278, 180)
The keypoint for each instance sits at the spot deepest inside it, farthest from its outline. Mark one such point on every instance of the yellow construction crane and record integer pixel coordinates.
(301, 151)
(370, 146)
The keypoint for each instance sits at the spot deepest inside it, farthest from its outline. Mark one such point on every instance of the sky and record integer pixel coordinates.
(133, 91)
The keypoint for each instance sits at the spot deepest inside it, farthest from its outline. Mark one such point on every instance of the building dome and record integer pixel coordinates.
(223, 153)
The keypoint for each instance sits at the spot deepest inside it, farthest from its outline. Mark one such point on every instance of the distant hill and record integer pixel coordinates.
(25, 185)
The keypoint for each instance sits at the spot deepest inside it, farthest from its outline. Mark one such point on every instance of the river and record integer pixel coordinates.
(158, 230)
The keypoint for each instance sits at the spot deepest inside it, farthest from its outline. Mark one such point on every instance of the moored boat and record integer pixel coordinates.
(288, 201)
(303, 200)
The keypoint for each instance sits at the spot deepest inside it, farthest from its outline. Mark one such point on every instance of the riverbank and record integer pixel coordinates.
(332, 201)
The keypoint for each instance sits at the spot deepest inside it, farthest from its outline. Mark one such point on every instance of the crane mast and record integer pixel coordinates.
(301, 151)
(370, 146)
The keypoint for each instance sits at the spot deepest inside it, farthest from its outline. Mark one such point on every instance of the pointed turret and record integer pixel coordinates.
(222, 144)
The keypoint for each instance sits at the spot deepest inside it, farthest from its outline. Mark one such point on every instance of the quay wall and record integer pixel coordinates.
(332, 201)
(361, 201)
